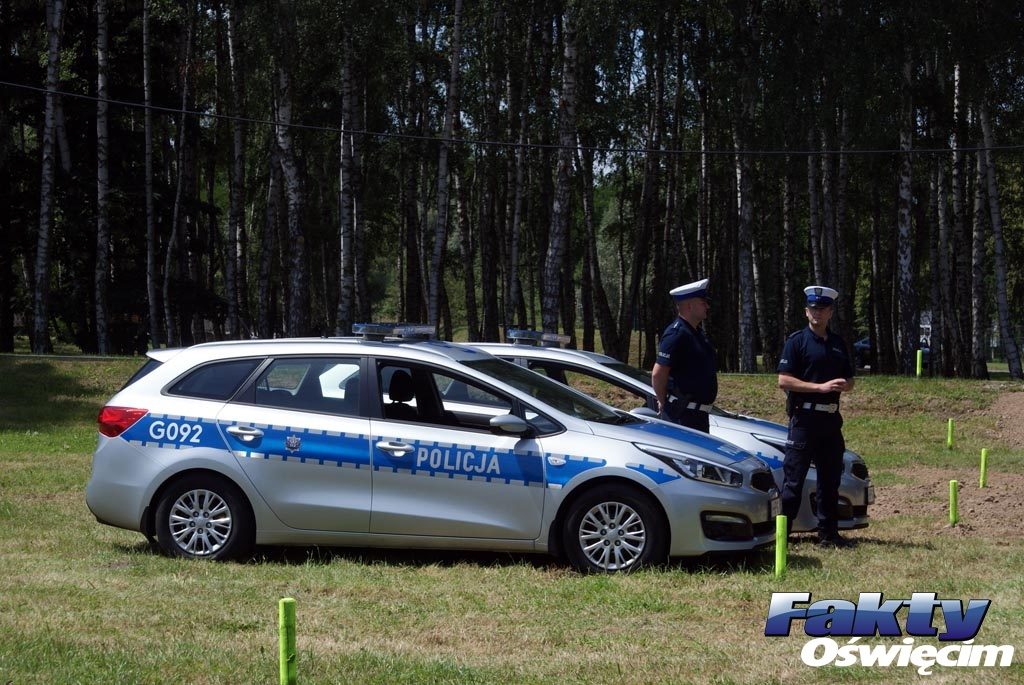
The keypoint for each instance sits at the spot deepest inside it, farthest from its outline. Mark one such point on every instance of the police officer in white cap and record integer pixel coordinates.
(685, 375)
(814, 371)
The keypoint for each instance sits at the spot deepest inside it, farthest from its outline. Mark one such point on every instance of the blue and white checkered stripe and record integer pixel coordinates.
(320, 447)
(562, 468)
(463, 462)
(659, 475)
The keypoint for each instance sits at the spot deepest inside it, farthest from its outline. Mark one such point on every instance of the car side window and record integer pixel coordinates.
(216, 381)
(325, 385)
(432, 396)
(604, 390)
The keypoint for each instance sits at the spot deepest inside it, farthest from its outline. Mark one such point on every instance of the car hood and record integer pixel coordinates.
(673, 437)
(749, 424)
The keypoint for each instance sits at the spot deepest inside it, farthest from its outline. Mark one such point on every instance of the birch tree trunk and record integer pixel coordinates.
(170, 263)
(813, 209)
(346, 231)
(908, 328)
(558, 237)
(151, 240)
(41, 292)
(951, 342)
(236, 207)
(102, 273)
(881, 336)
(789, 285)
(441, 226)
(298, 277)
(979, 322)
(602, 310)
(1006, 335)
(746, 284)
(468, 256)
(268, 248)
(962, 237)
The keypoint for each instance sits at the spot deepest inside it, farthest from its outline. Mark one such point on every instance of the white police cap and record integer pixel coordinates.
(695, 289)
(819, 297)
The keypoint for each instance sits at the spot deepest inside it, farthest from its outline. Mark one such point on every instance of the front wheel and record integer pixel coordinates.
(613, 529)
(204, 517)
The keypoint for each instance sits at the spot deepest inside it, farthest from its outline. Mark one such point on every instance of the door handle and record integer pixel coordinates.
(245, 433)
(396, 449)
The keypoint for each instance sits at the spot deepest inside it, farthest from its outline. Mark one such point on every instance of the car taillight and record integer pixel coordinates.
(116, 420)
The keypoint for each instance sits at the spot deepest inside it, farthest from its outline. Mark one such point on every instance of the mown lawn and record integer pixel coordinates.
(84, 603)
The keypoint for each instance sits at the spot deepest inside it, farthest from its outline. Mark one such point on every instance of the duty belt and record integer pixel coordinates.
(828, 408)
(693, 405)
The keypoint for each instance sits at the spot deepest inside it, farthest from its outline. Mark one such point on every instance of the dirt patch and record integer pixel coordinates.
(1009, 412)
(994, 512)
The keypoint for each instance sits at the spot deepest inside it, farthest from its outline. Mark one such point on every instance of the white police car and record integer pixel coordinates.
(399, 443)
(629, 388)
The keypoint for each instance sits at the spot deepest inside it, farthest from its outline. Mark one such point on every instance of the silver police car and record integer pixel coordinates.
(389, 442)
(627, 387)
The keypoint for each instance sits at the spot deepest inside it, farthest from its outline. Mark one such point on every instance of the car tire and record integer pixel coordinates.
(204, 517)
(613, 529)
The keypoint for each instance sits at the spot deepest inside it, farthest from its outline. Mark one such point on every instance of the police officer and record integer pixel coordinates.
(684, 376)
(814, 370)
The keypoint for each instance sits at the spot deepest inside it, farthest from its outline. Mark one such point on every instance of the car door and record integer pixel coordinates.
(298, 433)
(438, 470)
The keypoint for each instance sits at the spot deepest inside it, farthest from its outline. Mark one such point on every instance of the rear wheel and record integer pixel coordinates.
(613, 529)
(204, 517)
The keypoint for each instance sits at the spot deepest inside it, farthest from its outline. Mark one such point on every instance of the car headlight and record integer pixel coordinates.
(694, 467)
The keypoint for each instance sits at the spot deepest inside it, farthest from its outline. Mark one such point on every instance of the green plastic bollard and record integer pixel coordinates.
(983, 481)
(286, 640)
(781, 544)
(920, 362)
(949, 434)
(954, 517)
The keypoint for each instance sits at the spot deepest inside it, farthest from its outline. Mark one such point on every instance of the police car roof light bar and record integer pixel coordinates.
(373, 331)
(525, 336)
(416, 331)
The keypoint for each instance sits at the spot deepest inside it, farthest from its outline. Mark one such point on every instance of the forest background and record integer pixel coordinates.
(175, 172)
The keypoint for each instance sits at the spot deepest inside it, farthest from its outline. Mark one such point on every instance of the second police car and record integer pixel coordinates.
(629, 388)
(399, 443)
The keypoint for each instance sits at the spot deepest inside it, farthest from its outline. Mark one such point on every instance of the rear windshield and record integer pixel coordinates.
(147, 368)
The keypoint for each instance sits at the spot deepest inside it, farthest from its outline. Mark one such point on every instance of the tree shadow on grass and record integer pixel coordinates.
(39, 393)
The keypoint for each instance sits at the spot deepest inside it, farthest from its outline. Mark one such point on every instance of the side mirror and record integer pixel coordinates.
(510, 424)
(645, 412)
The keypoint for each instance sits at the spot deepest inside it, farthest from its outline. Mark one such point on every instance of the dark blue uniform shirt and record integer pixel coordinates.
(688, 353)
(815, 360)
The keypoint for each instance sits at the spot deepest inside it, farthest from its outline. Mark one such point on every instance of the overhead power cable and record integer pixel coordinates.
(507, 144)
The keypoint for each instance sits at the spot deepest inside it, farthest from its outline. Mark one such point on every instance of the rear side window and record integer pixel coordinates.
(147, 368)
(217, 381)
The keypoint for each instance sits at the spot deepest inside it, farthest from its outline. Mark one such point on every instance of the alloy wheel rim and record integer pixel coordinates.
(200, 522)
(612, 536)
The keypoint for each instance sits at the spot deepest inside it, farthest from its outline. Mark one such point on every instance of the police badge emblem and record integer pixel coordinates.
(292, 443)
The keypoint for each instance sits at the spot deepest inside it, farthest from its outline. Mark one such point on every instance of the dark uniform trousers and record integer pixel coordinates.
(822, 444)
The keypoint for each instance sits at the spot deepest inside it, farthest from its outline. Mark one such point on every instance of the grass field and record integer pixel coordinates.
(85, 603)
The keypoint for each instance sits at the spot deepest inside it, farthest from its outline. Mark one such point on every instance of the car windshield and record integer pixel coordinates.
(549, 392)
(631, 371)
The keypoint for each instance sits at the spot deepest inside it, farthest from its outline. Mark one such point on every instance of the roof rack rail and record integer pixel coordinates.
(526, 336)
